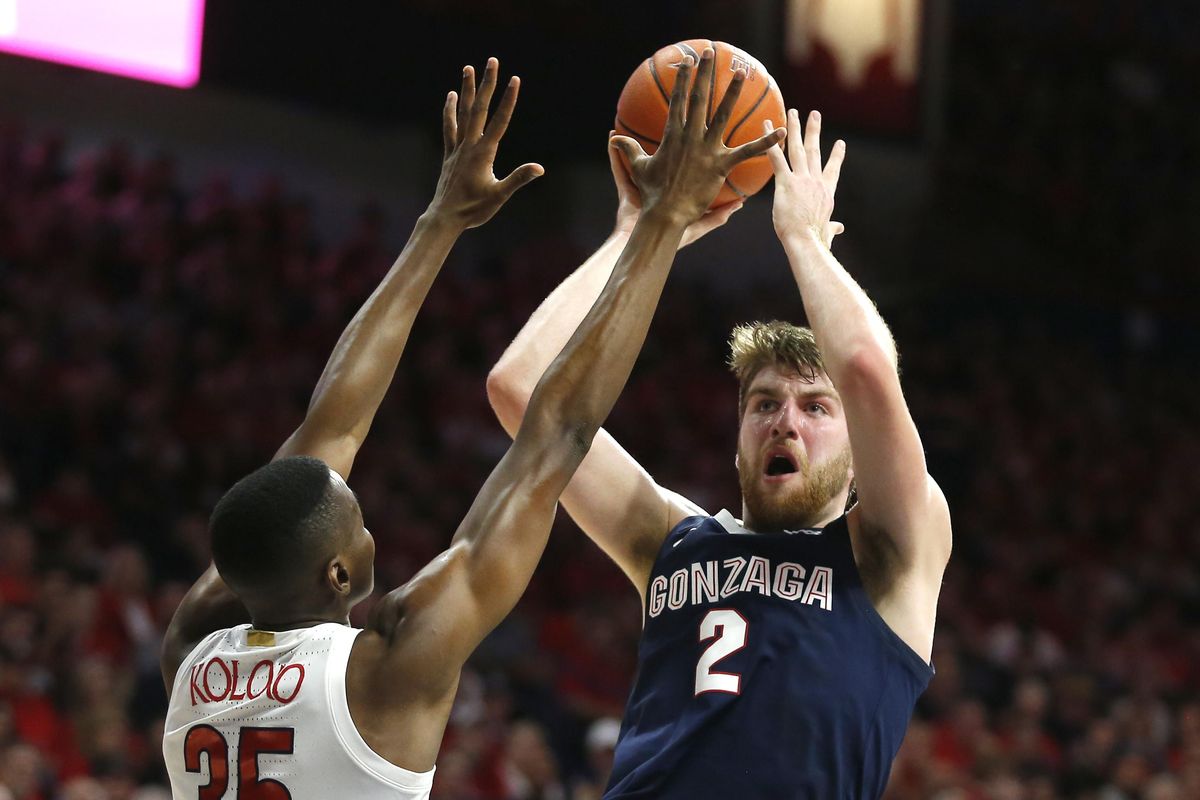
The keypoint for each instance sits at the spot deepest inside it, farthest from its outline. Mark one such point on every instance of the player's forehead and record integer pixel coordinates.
(780, 379)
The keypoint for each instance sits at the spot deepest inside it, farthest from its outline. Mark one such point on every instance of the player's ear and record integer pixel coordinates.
(337, 576)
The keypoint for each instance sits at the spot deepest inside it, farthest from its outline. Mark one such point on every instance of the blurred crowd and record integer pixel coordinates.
(156, 344)
(1072, 122)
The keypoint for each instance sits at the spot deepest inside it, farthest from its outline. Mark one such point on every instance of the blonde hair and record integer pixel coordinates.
(757, 345)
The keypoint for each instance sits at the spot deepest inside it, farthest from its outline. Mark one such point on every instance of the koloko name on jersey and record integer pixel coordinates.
(216, 680)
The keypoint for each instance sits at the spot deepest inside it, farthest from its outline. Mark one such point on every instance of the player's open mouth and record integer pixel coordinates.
(780, 464)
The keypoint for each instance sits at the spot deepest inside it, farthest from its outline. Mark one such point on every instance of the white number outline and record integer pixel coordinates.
(730, 629)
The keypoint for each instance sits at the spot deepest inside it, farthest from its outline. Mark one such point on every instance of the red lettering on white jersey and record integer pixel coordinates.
(205, 684)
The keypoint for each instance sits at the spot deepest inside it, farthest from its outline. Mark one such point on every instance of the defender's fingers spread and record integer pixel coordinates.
(812, 143)
(483, 98)
(449, 124)
(519, 177)
(498, 124)
(629, 147)
(763, 144)
(683, 77)
(833, 170)
(620, 174)
(466, 98)
(716, 129)
(698, 103)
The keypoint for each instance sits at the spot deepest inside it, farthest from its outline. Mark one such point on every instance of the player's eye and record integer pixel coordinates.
(767, 405)
(816, 408)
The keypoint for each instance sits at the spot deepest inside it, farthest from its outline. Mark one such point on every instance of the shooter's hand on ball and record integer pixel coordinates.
(468, 193)
(629, 205)
(684, 175)
(803, 190)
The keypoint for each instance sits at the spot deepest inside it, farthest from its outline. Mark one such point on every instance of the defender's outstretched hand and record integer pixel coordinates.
(468, 192)
(629, 204)
(686, 172)
(803, 190)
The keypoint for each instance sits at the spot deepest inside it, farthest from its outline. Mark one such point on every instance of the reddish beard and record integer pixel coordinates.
(800, 505)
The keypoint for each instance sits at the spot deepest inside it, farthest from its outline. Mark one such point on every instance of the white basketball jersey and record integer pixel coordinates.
(256, 715)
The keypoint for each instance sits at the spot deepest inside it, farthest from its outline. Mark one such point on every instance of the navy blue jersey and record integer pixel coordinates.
(764, 672)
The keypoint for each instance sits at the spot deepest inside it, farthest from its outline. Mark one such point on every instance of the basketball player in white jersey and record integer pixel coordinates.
(296, 703)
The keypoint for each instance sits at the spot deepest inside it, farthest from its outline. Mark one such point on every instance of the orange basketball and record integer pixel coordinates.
(642, 109)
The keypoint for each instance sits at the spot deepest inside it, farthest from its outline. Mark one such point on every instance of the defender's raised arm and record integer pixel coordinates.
(442, 614)
(364, 360)
(612, 498)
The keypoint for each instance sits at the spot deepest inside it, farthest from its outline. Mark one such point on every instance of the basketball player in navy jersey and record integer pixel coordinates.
(782, 653)
(272, 694)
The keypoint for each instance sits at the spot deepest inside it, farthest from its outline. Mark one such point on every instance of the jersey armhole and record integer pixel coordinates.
(347, 733)
(679, 509)
(911, 658)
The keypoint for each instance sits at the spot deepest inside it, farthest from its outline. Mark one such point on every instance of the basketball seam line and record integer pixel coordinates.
(654, 74)
(688, 50)
(746, 116)
(736, 190)
(642, 136)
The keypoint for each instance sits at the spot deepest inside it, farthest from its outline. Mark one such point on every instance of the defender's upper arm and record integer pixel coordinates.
(435, 621)
(620, 506)
(337, 451)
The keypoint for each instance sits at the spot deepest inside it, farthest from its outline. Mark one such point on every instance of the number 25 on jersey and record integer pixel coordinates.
(251, 742)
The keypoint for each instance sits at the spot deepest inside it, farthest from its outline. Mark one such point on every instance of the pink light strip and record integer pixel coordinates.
(151, 40)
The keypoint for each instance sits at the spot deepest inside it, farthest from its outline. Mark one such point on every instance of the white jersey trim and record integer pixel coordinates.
(728, 522)
(732, 525)
(348, 734)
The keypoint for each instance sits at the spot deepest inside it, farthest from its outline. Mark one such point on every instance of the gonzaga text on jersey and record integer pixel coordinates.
(710, 581)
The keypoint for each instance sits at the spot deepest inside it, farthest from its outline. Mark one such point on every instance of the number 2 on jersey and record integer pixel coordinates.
(729, 628)
(251, 742)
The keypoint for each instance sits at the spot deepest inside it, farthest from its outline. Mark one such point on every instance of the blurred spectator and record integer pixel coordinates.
(599, 744)
(528, 769)
(22, 773)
